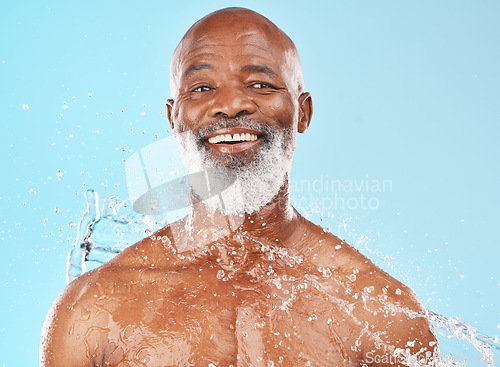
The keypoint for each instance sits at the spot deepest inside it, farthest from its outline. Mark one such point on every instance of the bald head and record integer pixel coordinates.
(238, 26)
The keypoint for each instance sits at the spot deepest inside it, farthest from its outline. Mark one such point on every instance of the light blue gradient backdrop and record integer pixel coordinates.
(403, 91)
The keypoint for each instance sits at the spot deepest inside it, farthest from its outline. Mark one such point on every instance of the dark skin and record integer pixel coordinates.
(269, 289)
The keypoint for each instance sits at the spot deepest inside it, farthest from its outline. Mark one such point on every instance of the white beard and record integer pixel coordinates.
(256, 182)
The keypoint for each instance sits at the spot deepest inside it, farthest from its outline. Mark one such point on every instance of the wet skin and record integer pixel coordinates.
(269, 289)
(306, 298)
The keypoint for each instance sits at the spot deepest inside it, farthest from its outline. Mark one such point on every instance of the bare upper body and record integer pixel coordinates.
(306, 300)
(272, 290)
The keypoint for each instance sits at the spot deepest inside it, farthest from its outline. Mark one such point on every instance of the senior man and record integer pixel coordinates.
(244, 279)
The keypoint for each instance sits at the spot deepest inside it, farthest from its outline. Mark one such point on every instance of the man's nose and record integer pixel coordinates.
(231, 102)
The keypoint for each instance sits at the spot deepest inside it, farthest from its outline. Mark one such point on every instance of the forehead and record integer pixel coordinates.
(221, 46)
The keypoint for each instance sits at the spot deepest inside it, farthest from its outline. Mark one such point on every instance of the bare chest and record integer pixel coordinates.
(210, 319)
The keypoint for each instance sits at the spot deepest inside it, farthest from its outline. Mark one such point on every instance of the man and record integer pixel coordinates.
(243, 280)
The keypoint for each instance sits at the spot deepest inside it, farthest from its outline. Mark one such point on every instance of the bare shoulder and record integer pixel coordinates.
(86, 304)
(394, 320)
(59, 344)
(347, 264)
(325, 250)
(122, 269)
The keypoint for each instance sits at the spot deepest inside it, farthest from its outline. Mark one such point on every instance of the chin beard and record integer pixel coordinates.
(251, 179)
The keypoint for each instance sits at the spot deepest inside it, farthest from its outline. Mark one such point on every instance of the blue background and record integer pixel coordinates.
(403, 91)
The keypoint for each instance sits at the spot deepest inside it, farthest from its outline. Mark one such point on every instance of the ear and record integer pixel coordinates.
(305, 112)
(170, 106)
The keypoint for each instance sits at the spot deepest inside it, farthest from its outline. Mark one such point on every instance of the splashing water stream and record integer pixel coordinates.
(102, 234)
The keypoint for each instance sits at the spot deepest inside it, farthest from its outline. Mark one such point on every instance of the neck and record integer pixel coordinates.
(275, 222)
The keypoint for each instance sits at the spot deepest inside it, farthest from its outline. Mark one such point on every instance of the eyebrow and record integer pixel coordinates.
(195, 67)
(260, 69)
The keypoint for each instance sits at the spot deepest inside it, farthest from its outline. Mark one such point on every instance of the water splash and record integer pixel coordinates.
(102, 234)
(456, 328)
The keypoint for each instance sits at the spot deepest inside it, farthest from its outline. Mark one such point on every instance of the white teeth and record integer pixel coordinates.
(228, 137)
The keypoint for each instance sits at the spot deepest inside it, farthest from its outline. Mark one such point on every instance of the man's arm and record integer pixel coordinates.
(64, 341)
(407, 336)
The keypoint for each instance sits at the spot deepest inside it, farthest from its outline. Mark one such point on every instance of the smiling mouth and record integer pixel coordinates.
(232, 138)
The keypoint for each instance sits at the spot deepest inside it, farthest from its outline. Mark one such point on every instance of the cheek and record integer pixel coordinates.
(188, 113)
(281, 108)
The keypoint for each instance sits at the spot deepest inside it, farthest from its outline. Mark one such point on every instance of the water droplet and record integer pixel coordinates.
(338, 247)
(312, 317)
(143, 113)
(32, 192)
(66, 107)
(398, 291)
(56, 210)
(220, 274)
(59, 174)
(326, 272)
(26, 107)
(369, 289)
(90, 94)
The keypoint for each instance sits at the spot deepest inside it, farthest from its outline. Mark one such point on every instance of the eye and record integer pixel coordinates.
(260, 85)
(202, 88)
